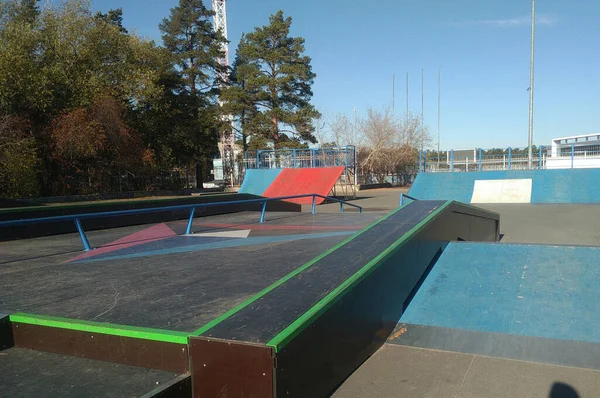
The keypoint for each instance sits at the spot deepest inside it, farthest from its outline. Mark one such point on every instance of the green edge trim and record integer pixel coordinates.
(298, 270)
(166, 336)
(301, 323)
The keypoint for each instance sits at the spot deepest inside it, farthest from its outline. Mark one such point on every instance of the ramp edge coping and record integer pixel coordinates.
(281, 281)
(286, 335)
(166, 336)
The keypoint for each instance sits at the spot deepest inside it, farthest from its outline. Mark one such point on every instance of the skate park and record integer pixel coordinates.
(268, 200)
(313, 301)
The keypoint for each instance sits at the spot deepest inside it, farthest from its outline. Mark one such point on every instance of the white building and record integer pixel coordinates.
(579, 151)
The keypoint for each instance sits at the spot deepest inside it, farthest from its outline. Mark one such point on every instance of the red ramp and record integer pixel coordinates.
(291, 182)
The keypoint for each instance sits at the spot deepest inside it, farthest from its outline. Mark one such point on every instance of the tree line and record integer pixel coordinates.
(84, 102)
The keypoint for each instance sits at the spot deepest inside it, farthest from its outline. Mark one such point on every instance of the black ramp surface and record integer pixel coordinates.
(267, 316)
(179, 291)
(27, 373)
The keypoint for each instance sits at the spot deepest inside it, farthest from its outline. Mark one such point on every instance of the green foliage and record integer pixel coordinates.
(112, 17)
(19, 11)
(101, 102)
(240, 99)
(56, 67)
(192, 86)
(188, 34)
(286, 142)
(18, 159)
(18, 169)
(271, 84)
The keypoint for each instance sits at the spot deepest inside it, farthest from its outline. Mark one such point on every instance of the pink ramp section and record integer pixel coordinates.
(152, 234)
(290, 182)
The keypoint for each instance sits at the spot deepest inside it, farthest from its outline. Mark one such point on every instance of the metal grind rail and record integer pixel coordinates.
(403, 195)
(76, 218)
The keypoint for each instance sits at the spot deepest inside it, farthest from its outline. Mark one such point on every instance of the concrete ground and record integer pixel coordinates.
(399, 371)
(407, 371)
(372, 201)
(562, 224)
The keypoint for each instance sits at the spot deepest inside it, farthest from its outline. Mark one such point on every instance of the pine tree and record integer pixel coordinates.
(195, 49)
(279, 79)
(188, 34)
(113, 17)
(239, 100)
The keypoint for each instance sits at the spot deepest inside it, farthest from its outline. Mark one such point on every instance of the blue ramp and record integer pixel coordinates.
(527, 290)
(256, 181)
(547, 186)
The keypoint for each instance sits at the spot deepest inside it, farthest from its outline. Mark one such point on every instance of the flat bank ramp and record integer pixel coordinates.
(577, 186)
(306, 333)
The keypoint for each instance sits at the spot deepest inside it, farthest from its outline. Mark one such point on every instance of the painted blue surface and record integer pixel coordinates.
(548, 186)
(256, 181)
(185, 244)
(162, 244)
(543, 291)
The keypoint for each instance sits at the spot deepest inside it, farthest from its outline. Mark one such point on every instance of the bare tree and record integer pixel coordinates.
(322, 133)
(413, 133)
(344, 133)
(391, 146)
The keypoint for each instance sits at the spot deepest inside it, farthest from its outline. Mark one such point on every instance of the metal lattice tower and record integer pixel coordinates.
(228, 136)
(220, 22)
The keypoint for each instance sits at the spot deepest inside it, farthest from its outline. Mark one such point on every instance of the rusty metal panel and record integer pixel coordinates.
(231, 369)
(126, 350)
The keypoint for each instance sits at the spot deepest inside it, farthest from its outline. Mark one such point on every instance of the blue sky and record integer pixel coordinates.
(481, 46)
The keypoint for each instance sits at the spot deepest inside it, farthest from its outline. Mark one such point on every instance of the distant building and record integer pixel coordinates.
(578, 151)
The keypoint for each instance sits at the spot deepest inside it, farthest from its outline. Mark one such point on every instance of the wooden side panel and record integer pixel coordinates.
(126, 350)
(231, 369)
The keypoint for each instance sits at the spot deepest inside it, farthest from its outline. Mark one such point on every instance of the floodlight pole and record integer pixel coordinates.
(531, 74)
(438, 121)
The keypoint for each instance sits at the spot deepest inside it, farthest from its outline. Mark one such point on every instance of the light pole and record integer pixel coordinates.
(438, 126)
(422, 108)
(531, 65)
(355, 159)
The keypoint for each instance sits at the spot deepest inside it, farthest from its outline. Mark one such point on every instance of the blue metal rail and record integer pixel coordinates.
(76, 218)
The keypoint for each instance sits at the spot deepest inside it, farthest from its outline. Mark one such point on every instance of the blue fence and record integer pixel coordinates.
(301, 158)
(560, 156)
(76, 218)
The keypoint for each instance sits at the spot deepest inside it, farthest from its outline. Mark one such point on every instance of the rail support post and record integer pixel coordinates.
(341, 207)
(84, 239)
(314, 204)
(401, 199)
(262, 212)
(188, 230)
